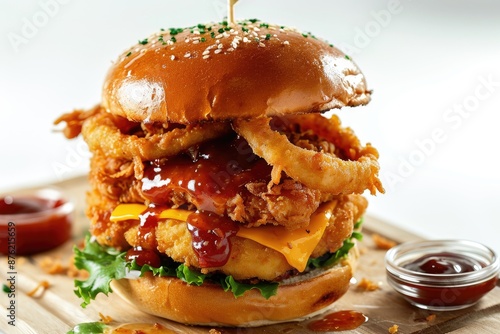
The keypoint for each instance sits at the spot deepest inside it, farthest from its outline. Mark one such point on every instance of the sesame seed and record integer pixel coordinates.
(218, 51)
(217, 42)
(286, 42)
(196, 41)
(187, 55)
(206, 56)
(245, 40)
(220, 46)
(196, 32)
(172, 57)
(256, 29)
(187, 40)
(230, 49)
(262, 45)
(255, 34)
(219, 36)
(206, 52)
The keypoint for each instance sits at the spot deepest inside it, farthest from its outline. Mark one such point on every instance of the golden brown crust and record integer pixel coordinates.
(172, 298)
(237, 73)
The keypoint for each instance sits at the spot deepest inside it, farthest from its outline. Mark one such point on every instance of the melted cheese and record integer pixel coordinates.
(133, 211)
(296, 246)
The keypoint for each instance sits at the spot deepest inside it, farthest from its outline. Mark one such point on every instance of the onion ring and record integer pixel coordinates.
(317, 170)
(102, 134)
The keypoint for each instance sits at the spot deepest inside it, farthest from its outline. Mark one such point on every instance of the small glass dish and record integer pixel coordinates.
(444, 291)
(34, 222)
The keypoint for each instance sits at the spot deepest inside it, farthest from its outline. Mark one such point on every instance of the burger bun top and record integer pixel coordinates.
(220, 71)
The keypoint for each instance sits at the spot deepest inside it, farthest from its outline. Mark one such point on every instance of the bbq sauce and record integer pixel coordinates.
(144, 256)
(210, 234)
(32, 224)
(209, 174)
(338, 321)
(443, 294)
(443, 263)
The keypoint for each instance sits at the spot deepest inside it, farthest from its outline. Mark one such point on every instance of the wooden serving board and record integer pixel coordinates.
(58, 310)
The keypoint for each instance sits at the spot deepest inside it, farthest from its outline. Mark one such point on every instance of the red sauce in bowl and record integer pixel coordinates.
(34, 223)
(442, 275)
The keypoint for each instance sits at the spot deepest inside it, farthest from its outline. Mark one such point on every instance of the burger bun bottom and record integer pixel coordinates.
(297, 298)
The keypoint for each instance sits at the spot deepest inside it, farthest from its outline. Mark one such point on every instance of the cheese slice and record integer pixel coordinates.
(133, 211)
(296, 246)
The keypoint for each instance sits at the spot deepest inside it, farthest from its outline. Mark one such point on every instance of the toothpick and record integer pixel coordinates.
(230, 10)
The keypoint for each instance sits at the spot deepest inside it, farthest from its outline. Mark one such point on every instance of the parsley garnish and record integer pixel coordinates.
(144, 41)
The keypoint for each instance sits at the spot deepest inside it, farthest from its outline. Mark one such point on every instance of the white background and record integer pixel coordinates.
(434, 67)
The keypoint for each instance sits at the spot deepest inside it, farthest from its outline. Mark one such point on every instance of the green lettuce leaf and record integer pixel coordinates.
(88, 328)
(330, 259)
(190, 276)
(103, 265)
(267, 289)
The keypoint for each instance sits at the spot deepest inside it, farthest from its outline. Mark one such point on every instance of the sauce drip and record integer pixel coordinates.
(210, 174)
(148, 223)
(143, 256)
(210, 234)
(443, 263)
(338, 321)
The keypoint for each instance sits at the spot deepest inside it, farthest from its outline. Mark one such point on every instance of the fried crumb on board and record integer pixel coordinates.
(54, 266)
(382, 242)
(105, 319)
(430, 318)
(393, 329)
(367, 285)
(39, 289)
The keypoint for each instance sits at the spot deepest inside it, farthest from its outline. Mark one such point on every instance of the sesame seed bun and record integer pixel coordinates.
(297, 299)
(220, 71)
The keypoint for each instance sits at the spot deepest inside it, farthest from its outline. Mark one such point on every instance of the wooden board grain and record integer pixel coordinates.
(57, 310)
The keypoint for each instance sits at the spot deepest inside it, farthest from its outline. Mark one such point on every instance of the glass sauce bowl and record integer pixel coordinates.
(442, 275)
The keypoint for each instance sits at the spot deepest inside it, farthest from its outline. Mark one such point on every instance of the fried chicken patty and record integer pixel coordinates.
(248, 258)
